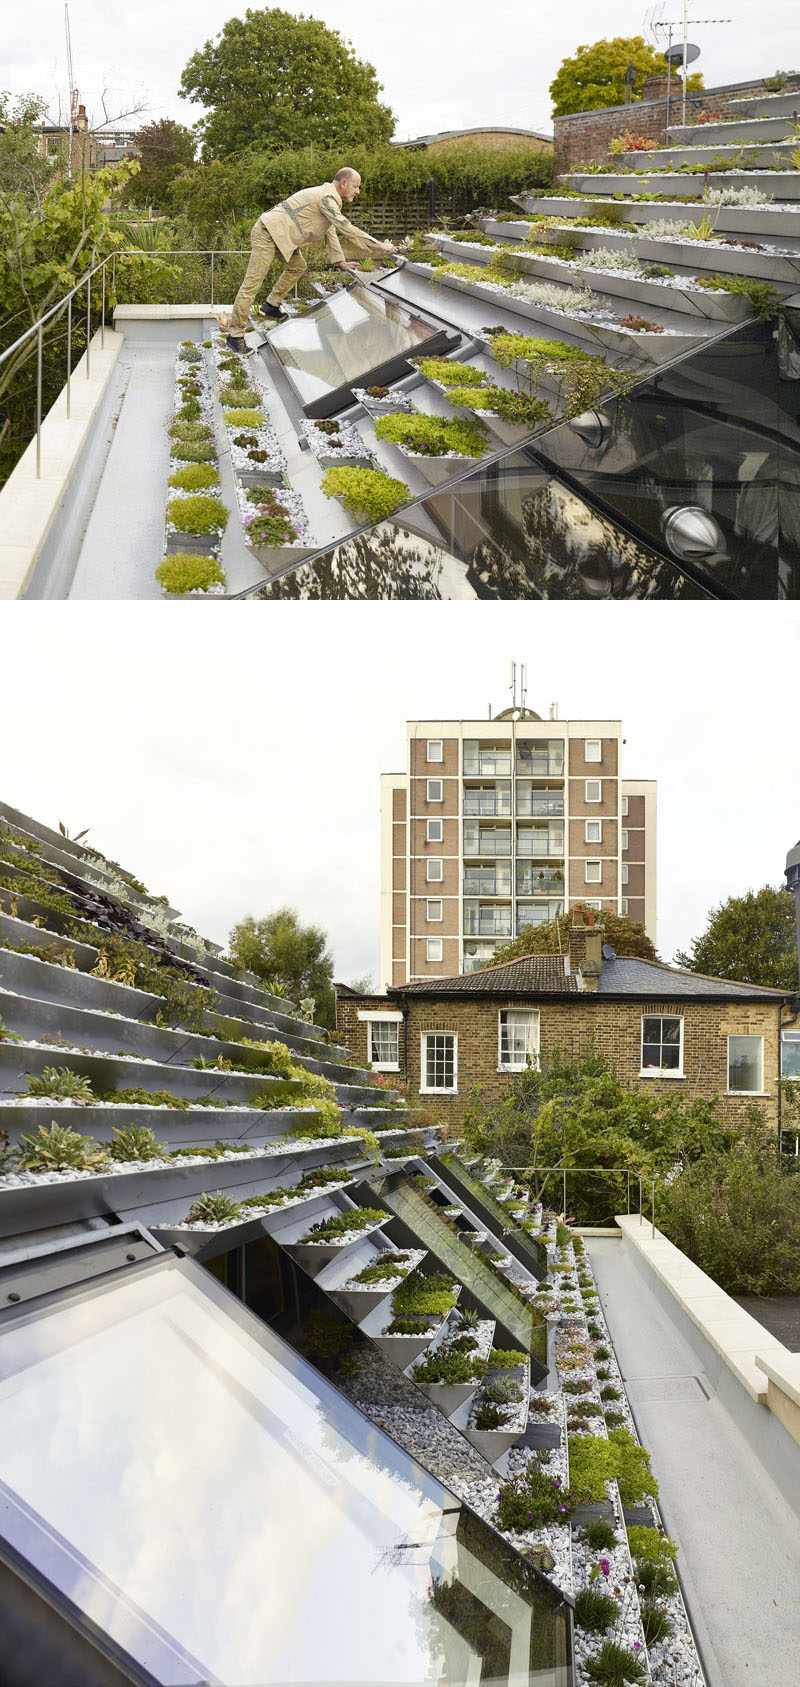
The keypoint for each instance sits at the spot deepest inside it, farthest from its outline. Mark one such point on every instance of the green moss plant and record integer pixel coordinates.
(195, 478)
(533, 1501)
(340, 1224)
(187, 571)
(450, 373)
(244, 418)
(367, 494)
(433, 436)
(197, 513)
(194, 451)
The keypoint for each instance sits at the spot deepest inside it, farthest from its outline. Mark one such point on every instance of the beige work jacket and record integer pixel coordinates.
(314, 214)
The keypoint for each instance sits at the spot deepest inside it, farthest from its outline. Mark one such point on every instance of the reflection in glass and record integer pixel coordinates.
(188, 1484)
(353, 333)
(459, 1178)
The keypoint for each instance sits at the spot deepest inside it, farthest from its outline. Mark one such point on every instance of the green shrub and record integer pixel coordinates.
(489, 1415)
(595, 1612)
(56, 1148)
(7, 1036)
(195, 433)
(187, 571)
(418, 1294)
(506, 1358)
(513, 406)
(600, 1535)
(195, 478)
(432, 436)
(367, 494)
(340, 1224)
(194, 451)
(239, 396)
(451, 373)
(737, 1215)
(135, 1142)
(199, 513)
(651, 1545)
(392, 1265)
(609, 1392)
(59, 1083)
(265, 527)
(145, 1098)
(244, 418)
(502, 1391)
(614, 1666)
(657, 1581)
(9, 1154)
(446, 1366)
(595, 1461)
(214, 1209)
(534, 1500)
(655, 1622)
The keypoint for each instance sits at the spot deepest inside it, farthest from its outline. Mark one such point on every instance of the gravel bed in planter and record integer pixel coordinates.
(344, 445)
(393, 400)
(266, 440)
(385, 1285)
(615, 1578)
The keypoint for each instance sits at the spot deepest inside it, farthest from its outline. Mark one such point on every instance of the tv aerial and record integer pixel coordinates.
(684, 52)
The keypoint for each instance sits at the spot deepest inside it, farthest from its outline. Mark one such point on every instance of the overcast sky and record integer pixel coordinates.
(231, 756)
(452, 64)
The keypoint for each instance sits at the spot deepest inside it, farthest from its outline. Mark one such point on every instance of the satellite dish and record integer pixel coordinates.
(674, 55)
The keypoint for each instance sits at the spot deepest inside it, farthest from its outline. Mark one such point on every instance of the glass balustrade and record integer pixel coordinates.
(489, 801)
(538, 881)
(539, 804)
(487, 881)
(486, 922)
(538, 913)
(540, 840)
(493, 760)
(486, 840)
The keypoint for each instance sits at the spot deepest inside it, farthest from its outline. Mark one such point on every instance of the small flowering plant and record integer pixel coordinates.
(534, 1500)
(270, 525)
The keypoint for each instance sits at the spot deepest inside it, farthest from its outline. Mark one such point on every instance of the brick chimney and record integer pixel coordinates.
(81, 120)
(586, 945)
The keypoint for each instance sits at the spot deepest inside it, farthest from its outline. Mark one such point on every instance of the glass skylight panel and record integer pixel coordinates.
(188, 1485)
(355, 332)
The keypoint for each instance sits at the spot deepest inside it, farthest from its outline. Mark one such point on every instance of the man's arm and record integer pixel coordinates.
(339, 224)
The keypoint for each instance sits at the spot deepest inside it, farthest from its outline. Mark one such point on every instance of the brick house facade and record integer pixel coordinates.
(659, 1028)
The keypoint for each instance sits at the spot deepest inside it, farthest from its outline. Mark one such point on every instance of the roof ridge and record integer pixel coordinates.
(709, 977)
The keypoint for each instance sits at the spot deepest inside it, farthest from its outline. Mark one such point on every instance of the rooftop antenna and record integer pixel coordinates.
(684, 54)
(513, 685)
(523, 687)
(73, 93)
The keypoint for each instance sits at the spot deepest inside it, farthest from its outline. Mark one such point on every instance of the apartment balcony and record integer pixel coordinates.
(489, 801)
(538, 761)
(487, 881)
(540, 840)
(490, 760)
(539, 881)
(539, 805)
(538, 913)
(487, 921)
(487, 840)
(477, 955)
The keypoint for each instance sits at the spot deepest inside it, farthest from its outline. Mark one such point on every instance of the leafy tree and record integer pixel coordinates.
(595, 75)
(282, 952)
(271, 81)
(165, 149)
(627, 937)
(737, 1215)
(752, 938)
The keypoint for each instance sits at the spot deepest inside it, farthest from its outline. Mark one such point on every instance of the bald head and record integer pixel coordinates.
(347, 183)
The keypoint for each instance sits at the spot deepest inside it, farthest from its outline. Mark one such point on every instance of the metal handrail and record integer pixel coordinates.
(571, 1171)
(65, 303)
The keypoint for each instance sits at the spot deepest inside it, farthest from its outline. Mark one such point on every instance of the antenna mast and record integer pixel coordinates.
(73, 92)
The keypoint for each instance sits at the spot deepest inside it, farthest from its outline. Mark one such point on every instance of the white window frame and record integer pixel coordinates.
(434, 902)
(435, 750)
(434, 831)
(736, 1036)
(661, 1071)
(598, 825)
(588, 783)
(624, 871)
(431, 786)
(434, 949)
(519, 1065)
(624, 839)
(593, 878)
(623, 905)
(432, 876)
(437, 1089)
(792, 1037)
(593, 902)
(590, 745)
(393, 1019)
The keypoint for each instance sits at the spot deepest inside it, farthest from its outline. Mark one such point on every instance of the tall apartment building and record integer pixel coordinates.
(502, 823)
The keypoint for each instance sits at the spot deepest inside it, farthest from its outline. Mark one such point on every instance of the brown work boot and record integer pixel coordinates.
(238, 343)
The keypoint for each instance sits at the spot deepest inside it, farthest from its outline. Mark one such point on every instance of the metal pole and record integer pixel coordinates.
(69, 352)
(564, 1189)
(641, 1216)
(628, 1197)
(669, 84)
(88, 322)
(114, 274)
(212, 279)
(653, 1211)
(683, 66)
(103, 312)
(39, 403)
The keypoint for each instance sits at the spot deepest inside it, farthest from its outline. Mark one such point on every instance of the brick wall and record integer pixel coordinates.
(568, 1026)
(585, 136)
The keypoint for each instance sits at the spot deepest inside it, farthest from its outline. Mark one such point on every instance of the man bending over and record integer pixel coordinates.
(313, 214)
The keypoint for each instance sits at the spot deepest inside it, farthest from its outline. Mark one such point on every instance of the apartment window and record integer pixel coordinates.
(439, 1063)
(623, 904)
(433, 909)
(434, 831)
(435, 790)
(518, 1039)
(593, 750)
(624, 808)
(745, 1065)
(433, 870)
(433, 949)
(384, 1044)
(662, 1045)
(592, 902)
(593, 831)
(435, 750)
(594, 790)
(790, 1054)
(593, 873)
(624, 872)
(624, 840)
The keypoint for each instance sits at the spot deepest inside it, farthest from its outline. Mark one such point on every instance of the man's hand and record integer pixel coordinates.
(387, 246)
(349, 264)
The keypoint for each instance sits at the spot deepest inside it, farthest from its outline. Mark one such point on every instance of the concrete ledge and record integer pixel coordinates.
(29, 506)
(783, 1388)
(167, 313)
(739, 1340)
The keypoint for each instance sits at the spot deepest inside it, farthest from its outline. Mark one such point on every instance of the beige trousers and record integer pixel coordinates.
(261, 257)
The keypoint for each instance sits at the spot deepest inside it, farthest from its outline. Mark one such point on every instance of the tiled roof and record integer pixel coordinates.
(531, 975)
(622, 975)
